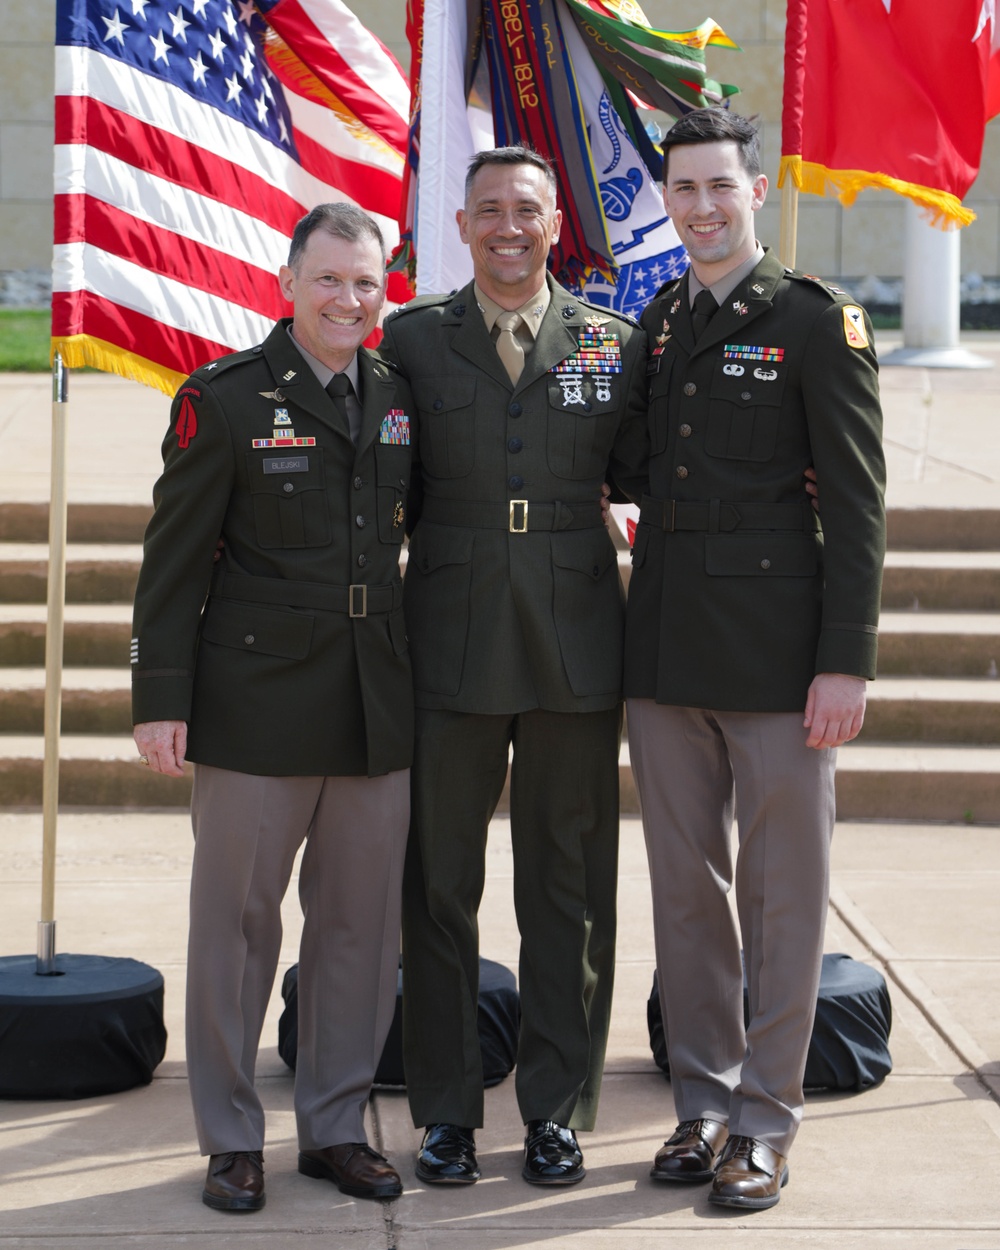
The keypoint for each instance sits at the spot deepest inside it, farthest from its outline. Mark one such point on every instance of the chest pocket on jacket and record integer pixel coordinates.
(447, 424)
(582, 423)
(290, 509)
(744, 409)
(392, 476)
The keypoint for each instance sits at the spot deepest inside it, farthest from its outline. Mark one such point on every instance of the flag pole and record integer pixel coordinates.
(45, 960)
(788, 237)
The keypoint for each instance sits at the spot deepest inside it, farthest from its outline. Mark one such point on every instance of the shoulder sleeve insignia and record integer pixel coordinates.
(854, 326)
(187, 422)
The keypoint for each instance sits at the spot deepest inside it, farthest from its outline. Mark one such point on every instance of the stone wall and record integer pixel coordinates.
(833, 241)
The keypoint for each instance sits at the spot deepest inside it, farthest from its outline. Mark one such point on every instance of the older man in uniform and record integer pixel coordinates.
(750, 637)
(291, 690)
(515, 613)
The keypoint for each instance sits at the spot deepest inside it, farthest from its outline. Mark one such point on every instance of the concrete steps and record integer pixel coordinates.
(928, 751)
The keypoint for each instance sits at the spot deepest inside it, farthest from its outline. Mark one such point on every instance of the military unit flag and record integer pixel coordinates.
(889, 93)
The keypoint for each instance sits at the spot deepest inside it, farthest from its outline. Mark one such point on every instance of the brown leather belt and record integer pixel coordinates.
(517, 516)
(714, 516)
(357, 600)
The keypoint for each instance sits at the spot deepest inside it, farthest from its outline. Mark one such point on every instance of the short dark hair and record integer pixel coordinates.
(715, 125)
(510, 156)
(342, 220)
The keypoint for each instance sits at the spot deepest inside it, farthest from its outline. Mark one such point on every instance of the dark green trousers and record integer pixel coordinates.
(564, 834)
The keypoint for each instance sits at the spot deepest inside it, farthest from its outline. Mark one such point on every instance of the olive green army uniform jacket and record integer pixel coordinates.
(738, 598)
(288, 658)
(512, 593)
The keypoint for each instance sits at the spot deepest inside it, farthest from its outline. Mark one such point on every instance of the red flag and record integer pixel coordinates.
(887, 93)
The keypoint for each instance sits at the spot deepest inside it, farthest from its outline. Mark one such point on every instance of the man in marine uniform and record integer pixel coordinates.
(750, 637)
(291, 691)
(514, 608)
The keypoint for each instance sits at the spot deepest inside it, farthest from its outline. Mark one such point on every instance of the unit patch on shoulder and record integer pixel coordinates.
(187, 424)
(854, 326)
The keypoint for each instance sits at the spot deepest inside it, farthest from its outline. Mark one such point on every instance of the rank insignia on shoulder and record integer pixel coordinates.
(187, 424)
(395, 428)
(854, 326)
(213, 365)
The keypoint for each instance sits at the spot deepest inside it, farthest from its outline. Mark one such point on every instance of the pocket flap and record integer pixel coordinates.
(250, 627)
(590, 552)
(444, 393)
(761, 555)
(433, 546)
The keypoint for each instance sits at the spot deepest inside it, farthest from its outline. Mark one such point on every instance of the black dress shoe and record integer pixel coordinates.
(551, 1154)
(354, 1168)
(749, 1176)
(689, 1155)
(447, 1156)
(235, 1181)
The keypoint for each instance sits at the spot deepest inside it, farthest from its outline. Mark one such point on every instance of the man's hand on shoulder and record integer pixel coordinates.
(835, 709)
(164, 744)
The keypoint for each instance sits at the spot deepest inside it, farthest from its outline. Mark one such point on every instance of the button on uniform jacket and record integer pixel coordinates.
(737, 599)
(272, 672)
(501, 621)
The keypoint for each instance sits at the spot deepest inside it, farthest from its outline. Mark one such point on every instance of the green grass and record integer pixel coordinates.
(24, 340)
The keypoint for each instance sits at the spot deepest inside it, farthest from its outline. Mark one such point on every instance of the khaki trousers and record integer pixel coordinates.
(247, 831)
(690, 765)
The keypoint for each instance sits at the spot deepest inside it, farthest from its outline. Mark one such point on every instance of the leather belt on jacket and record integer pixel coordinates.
(713, 516)
(360, 599)
(517, 516)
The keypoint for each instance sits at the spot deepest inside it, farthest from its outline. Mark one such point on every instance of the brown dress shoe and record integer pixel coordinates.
(749, 1175)
(689, 1155)
(354, 1168)
(235, 1181)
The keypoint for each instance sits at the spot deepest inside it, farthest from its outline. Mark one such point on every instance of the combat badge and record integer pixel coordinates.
(854, 326)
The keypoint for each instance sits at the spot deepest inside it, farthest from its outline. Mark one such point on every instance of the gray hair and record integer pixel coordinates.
(342, 220)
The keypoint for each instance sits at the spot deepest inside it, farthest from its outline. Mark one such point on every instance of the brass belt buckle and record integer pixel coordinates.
(513, 526)
(352, 600)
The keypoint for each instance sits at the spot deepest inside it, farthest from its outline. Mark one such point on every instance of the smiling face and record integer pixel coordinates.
(336, 288)
(510, 222)
(711, 200)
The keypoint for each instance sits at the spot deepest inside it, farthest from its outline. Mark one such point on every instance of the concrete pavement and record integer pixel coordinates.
(911, 1164)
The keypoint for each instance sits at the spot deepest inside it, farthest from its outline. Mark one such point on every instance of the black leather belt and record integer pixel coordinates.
(357, 600)
(517, 516)
(714, 516)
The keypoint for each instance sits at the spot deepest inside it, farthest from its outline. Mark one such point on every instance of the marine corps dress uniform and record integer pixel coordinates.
(290, 661)
(515, 612)
(737, 600)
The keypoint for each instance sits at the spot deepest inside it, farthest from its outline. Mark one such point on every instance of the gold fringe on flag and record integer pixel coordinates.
(83, 350)
(945, 210)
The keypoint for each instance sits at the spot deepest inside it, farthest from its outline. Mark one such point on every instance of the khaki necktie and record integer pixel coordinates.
(509, 349)
(702, 311)
(338, 388)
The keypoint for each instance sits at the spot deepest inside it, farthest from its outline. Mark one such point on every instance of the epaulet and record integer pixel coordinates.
(604, 311)
(419, 301)
(834, 292)
(385, 360)
(671, 285)
(216, 367)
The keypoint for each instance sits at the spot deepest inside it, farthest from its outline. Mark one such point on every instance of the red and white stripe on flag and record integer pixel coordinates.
(183, 160)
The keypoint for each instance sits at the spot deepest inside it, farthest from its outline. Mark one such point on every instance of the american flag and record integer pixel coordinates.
(191, 135)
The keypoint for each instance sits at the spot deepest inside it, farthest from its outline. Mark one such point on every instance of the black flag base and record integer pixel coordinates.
(95, 1026)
